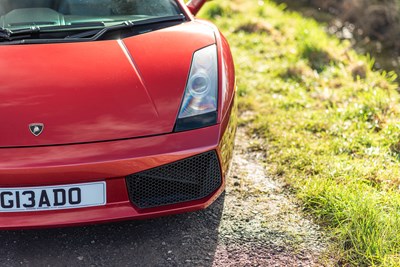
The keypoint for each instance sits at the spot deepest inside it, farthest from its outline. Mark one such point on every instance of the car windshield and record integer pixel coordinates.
(20, 14)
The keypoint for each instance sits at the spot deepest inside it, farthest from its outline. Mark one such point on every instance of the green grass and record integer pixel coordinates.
(331, 125)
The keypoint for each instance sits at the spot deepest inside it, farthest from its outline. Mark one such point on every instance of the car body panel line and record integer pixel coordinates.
(138, 73)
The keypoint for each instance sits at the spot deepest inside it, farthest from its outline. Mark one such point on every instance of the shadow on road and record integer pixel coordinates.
(186, 239)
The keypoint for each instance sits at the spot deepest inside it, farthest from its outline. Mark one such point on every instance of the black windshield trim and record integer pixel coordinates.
(96, 33)
(130, 24)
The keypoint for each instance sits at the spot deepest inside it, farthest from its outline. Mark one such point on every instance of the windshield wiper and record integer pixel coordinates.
(6, 34)
(94, 35)
(35, 32)
(88, 31)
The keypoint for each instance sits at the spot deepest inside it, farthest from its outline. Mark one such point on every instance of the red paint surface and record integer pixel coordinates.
(93, 91)
(109, 109)
(195, 6)
(108, 161)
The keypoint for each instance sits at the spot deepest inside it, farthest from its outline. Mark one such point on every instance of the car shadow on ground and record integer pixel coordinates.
(187, 239)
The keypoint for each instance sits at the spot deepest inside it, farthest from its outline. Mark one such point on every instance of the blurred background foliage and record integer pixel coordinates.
(373, 26)
(378, 19)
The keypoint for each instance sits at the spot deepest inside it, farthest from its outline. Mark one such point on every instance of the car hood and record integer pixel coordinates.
(96, 91)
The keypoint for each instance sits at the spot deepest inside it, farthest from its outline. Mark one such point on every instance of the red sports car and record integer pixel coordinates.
(111, 110)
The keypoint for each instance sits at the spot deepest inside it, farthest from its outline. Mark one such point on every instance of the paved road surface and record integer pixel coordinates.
(188, 239)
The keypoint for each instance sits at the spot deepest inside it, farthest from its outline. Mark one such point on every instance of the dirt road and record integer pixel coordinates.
(255, 223)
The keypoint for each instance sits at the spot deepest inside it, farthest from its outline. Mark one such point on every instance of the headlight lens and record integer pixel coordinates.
(199, 105)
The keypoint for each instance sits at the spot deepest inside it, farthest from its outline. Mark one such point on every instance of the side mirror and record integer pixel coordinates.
(195, 5)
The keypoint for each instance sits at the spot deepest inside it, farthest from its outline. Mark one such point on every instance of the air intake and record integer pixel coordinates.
(185, 180)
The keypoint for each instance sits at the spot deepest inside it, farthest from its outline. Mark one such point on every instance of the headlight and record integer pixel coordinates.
(200, 102)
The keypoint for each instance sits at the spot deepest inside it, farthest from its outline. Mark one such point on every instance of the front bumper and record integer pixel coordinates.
(111, 162)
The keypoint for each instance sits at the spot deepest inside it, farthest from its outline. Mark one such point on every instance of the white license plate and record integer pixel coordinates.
(52, 197)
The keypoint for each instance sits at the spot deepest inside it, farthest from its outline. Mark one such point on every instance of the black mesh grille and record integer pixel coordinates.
(189, 179)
